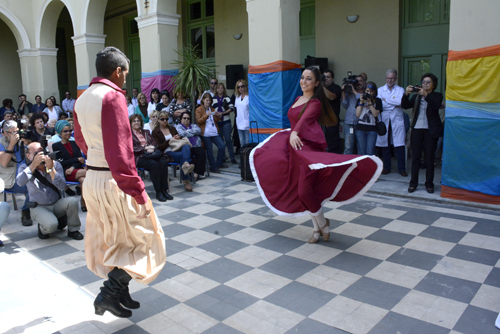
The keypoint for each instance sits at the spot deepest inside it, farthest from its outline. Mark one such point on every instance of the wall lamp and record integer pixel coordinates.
(237, 36)
(352, 18)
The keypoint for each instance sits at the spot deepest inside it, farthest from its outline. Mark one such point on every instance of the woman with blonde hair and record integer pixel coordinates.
(153, 120)
(241, 103)
(142, 108)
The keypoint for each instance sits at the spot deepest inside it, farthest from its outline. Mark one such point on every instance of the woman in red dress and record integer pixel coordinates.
(293, 172)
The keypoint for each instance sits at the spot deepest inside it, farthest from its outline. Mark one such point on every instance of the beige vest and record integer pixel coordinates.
(8, 174)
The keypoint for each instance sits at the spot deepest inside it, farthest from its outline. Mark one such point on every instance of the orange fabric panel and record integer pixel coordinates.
(264, 131)
(80, 92)
(488, 51)
(277, 66)
(467, 195)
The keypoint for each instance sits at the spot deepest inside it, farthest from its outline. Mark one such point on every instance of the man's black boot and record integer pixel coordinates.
(26, 218)
(125, 298)
(108, 298)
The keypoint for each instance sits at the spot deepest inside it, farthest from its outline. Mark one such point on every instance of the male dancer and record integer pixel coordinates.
(124, 239)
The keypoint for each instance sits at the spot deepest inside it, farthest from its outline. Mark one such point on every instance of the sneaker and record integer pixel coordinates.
(26, 218)
(75, 235)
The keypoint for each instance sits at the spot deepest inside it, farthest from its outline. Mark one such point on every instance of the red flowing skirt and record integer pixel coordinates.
(298, 182)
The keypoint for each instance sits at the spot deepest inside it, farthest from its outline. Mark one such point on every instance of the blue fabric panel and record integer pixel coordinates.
(271, 95)
(471, 153)
(159, 72)
(472, 109)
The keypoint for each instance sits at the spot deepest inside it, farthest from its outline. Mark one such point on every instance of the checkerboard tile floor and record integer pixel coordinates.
(391, 266)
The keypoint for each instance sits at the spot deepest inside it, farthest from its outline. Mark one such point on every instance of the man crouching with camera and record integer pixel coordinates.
(45, 180)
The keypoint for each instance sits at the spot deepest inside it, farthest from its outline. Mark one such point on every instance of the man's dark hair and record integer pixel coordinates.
(108, 59)
(22, 95)
(38, 96)
(35, 117)
(6, 102)
(165, 92)
(329, 71)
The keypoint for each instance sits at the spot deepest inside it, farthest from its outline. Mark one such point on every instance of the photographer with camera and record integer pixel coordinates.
(333, 93)
(368, 107)
(393, 117)
(45, 180)
(352, 89)
(426, 127)
(11, 156)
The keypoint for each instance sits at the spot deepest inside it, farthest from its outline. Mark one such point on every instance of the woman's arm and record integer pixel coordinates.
(359, 106)
(201, 116)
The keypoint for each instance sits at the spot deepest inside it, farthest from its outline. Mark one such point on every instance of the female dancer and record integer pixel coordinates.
(293, 172)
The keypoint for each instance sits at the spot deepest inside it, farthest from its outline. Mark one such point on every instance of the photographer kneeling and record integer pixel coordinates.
(45, 181)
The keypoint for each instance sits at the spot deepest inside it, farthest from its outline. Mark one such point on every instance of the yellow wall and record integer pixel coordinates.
(230, 19)
(370, 45)
(474, 25)
(10, 69)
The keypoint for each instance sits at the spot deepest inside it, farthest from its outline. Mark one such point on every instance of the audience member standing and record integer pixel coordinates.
(68, 104)
(333, 93)
(223, 104)
(349, 103)
(24, 106)
(426, 128)
(38, 107)
(241, 103)
(213, 88)
(135, 92)
(391, 95)
(52, 110)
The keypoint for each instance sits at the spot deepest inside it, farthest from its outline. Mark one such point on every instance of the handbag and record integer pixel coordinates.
(156, 154)
(381, 128)
(176, 144)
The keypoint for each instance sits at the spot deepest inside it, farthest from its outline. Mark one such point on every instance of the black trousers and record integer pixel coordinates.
(200, 160)
(332, 137)
(158, 172)
(421, 138)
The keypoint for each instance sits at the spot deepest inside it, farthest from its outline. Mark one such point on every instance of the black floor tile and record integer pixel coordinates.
(153, 307)
(449, 287)
(394, 323)
(49, 252)
(221, 328)
(493, 278)
(486, 227)
(174, 247)
(474, 254)
(414, 258)
(442, 234)
(300, 298)
(289, 267)
(372, 221)
(222, 270)
(390, 237)
(81, 276)
(134, 329)
(223, 228)
(340, 241)
(223, 246)
(353, 263)
(178, 215)
(376, 293)
(477, 320)
(174, 230)
(280, 244)
(222, 214)
(421, 216)
(307, 326)
(273, 226)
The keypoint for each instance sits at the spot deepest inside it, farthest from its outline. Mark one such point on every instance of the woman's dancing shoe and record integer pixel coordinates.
(313, 239)
(326, 235)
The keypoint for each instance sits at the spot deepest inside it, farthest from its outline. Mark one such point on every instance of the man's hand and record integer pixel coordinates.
(49, 163)
(14, 139)
(145, 210)
(37, 160)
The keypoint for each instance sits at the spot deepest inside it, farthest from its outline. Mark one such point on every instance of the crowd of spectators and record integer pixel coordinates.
(169, 130)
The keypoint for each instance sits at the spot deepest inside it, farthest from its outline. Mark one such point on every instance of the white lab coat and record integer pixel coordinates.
(391, 101)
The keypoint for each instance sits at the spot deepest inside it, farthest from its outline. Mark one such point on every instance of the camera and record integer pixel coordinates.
(367, 97)
(350, 80)
(44, 142)
(416, 89)
(323, 78)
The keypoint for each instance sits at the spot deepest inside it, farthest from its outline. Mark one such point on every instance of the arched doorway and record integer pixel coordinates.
(66, 61)
(121, 30)
(11, 86)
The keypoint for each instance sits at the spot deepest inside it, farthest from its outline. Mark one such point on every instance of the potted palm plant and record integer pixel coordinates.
(193, 72)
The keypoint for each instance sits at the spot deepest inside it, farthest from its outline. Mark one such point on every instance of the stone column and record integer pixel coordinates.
(86, 48)
(273, 31)
(274, 69)
(158, 34)
(39, 71)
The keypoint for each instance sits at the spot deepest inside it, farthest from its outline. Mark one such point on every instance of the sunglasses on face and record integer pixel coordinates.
(213, 83)
(425, 82)
(242, 86)
(66, 131)
(163, 119)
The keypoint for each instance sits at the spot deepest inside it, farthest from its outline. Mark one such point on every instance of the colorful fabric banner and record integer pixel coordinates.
(160, 79)
(272, 90)
(471, 153)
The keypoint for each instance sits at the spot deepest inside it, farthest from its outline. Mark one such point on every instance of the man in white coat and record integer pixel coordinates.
(391, 95)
